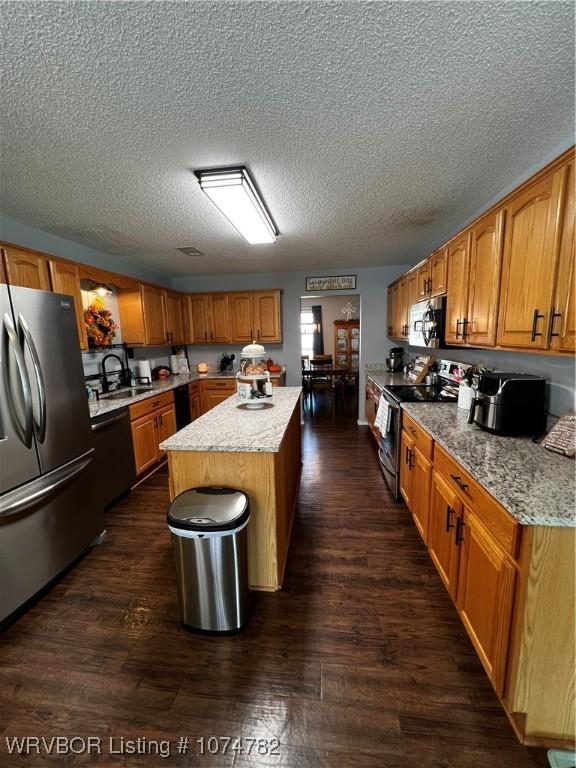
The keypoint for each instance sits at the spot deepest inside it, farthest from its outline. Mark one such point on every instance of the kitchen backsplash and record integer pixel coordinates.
(557, 370)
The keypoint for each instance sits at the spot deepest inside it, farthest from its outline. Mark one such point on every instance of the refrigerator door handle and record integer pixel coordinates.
(24, 431)
(26, 338)
(29, 495)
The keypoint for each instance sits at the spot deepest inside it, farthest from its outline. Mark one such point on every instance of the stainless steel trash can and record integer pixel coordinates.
(209, 536)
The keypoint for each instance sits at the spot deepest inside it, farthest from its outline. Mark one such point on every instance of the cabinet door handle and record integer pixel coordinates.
(205, 335)
(429, 285)
(449, 523)
(458, 324)
(258, 333)
(161, 420)
(155, 421)
(553, 316)
(413, 431)
(458, 480)
(535, 319)
(465, 324)
(459, 528)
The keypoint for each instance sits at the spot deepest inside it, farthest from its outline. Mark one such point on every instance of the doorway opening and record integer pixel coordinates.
(330, 335)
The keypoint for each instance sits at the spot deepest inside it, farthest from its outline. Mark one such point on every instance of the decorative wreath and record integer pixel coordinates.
(100, 327)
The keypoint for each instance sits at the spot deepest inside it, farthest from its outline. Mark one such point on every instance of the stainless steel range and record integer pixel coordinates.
(445, 390)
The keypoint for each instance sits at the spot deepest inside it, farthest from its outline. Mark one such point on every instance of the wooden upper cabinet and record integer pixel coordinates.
(562, 323)
(438, 272)
(174, 310)
(65, 278)
(198, 318)
(484, 279)
(412, 290)
(423, 277)
(267, 316)
(445, 509)
(154, 317)
(390, 311)
(401, 309)
(142, 315)
(219, 318)
(457, 289)
(26, 268)
(531, 245)
(241, 325)
(485, 596)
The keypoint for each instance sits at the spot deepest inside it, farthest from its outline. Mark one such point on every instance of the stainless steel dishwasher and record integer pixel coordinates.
(113, 469)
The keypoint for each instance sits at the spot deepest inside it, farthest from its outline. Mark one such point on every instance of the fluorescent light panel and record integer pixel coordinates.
(233, 192)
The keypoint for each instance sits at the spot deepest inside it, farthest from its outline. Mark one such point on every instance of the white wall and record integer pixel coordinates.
(371, 286)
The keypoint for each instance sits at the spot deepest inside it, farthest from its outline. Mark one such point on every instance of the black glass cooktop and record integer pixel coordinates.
(421, 393)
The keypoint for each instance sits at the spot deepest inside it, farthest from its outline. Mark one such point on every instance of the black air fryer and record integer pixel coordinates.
(509, 403)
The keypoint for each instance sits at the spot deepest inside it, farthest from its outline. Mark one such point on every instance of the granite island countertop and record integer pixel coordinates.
(105, 405)
(231, 427)
(534, 485)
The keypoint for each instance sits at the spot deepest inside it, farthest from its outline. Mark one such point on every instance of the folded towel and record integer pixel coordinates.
(383, 414)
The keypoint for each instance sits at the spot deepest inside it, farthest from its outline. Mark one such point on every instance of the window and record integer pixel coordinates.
(307, 330)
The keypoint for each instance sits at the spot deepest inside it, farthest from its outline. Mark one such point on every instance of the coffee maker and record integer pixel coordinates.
(395, 363)
(509, 403)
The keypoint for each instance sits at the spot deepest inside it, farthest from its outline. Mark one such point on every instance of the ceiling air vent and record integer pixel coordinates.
(189, 250)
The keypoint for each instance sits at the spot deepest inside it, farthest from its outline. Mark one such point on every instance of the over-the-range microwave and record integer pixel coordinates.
(427, 321)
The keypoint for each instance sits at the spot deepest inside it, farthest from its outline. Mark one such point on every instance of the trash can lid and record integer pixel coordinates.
(209, 509)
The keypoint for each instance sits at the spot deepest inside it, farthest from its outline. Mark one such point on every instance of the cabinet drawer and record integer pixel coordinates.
(218, 385)
(500, 523)
(422, 439)
(151, 404)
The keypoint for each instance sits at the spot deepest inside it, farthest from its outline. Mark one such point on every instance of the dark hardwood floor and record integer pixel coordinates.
(360, 662)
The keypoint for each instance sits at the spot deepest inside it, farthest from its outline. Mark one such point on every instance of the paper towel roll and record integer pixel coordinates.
(174, 363)
(144, 370)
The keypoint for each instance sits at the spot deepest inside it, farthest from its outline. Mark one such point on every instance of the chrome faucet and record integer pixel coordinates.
(122, 378)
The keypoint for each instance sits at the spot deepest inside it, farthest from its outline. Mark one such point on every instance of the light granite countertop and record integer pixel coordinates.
(233, 428)
(536, 486)
(105, 405)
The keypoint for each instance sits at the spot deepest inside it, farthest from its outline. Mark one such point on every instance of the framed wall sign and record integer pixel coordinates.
(336, 283)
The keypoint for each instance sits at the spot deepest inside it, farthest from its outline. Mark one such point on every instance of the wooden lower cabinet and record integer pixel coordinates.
(152, 421)
(421, 483)
(215, 391)
(445, 510)
(415, 478)
(195, 404)
(514, 587)
(485, 596)
(144, 442)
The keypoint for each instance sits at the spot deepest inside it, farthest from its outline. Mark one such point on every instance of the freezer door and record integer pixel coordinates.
(46, 326)
(44, 526)
(18, 458)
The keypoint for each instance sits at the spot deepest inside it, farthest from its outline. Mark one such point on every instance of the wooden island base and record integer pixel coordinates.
(271, 481)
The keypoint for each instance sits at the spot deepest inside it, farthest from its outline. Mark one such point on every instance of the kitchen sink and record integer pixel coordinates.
(125, 394)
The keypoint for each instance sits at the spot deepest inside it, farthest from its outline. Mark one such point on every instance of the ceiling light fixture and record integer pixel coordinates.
(234, 193)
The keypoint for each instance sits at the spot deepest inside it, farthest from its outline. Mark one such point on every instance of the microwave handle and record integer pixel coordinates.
(472, 412)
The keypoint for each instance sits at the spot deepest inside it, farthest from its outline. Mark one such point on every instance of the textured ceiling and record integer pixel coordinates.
(372, 129)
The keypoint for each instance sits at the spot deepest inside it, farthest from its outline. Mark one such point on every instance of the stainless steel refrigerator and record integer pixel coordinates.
(48, 515)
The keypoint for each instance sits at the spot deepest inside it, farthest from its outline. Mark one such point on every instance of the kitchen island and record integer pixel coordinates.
(256, 451)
